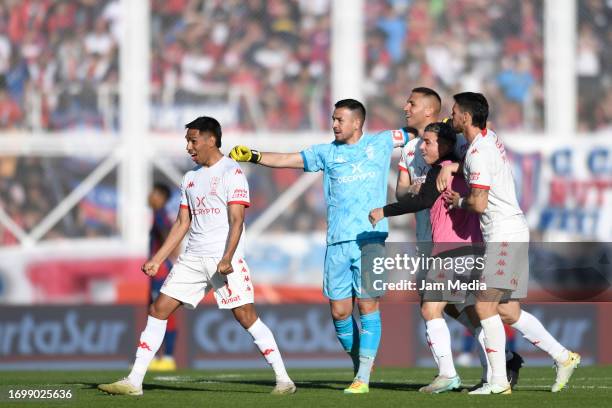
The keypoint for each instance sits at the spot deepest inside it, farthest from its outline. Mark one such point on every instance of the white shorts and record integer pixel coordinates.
(507, 263)
(192, 277)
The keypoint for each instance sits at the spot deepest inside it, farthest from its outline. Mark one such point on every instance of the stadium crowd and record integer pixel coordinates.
(58, 64)
(496, 48)
(207, 52)
(269, 61)
(594, 65)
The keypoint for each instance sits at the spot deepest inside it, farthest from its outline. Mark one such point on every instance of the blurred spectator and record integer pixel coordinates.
(261, 65)
(58, 61)
(594, 65)
(494, 48)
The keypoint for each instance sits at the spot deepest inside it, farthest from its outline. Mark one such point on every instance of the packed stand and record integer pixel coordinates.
(255, 65)
(594, 65)
(59, 64)
(493, 47)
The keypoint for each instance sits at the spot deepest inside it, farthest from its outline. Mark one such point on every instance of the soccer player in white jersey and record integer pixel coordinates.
(423, 108)
(492, 195)
(214, 196)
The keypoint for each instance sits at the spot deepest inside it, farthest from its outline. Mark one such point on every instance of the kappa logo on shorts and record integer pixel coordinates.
(267, 352)
(144, 345)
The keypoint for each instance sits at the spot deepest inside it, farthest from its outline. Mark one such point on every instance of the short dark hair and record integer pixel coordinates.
(207, 124)
(163, 189)
(428, 92)
(476, 105)
(352, 105)
(444, 131)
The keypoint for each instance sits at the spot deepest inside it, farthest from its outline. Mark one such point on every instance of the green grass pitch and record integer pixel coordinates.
(590, 387)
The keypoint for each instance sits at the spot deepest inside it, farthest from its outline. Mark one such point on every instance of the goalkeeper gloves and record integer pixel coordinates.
(244, 154)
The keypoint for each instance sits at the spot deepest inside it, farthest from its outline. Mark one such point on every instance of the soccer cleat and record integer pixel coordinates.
(284, 388)
(490, 389)
(512, 368)
(121, 387)
(165, 363)
(441, 384)
(565, 371)
(357, 387)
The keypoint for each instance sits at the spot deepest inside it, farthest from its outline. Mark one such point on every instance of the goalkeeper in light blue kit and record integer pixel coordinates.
(356, 167)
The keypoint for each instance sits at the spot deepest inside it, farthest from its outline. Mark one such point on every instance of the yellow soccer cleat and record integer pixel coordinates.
(357, 387)
(121, 387)
(565, 371)
(165, 363)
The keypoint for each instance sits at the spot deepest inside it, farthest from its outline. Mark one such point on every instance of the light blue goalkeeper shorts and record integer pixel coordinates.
(342, 270)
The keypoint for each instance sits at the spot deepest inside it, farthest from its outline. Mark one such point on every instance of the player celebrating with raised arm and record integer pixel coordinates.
(214, 196)
(356, 167)
(492, 195)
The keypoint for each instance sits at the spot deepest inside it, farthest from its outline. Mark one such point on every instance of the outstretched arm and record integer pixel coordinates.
(408, 204)
(268, 159)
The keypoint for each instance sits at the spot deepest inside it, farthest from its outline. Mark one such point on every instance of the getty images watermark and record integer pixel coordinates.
(449, 271)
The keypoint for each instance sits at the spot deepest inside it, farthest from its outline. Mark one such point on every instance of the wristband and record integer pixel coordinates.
(255, 156)
(460, 202)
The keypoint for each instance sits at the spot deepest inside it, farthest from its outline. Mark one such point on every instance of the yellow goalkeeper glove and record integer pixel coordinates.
(244, 154)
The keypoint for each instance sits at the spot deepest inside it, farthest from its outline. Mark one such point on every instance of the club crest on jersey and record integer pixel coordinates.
(214, 182)
(369, 151)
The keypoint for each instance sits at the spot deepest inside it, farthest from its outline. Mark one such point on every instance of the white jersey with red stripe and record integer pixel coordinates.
(412, 160)
(487, 167)
(207, 192)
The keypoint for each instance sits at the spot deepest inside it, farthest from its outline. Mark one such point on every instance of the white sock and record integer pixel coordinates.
(533, 330)
(150, 340)
(439, 335)
(264, 340)
(495, 345)
(430, 344)
(482, 355)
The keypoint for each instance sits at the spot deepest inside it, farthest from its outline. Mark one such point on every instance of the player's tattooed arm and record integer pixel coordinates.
(175, 237)
(476, 201)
